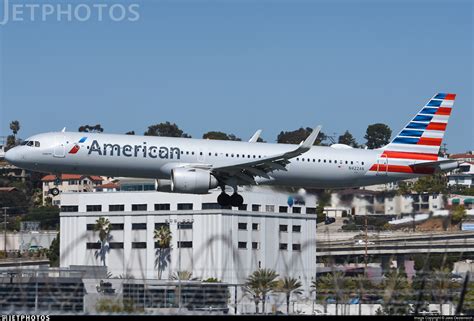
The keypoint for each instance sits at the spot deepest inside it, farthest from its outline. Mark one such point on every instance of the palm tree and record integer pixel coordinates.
(397, 291)
(103, 226)
(335, 285)
(183, 275)
(288, 286)
(163, 237)
(441, 285)
(15, 127)
(260, 283)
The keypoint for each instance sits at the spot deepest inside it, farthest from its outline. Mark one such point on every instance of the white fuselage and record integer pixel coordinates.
(155, 157)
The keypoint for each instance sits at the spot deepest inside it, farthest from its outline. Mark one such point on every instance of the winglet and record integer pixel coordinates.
(306, 145)
(255, 136)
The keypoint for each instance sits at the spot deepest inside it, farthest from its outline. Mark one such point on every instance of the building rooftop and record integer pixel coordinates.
(69, 177)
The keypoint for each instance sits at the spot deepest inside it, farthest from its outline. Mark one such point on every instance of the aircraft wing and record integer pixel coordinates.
(246, 172)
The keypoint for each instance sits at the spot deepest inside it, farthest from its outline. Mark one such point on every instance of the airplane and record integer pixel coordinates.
(186, 165)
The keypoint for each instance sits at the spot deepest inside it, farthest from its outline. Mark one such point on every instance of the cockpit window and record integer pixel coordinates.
(32, 143)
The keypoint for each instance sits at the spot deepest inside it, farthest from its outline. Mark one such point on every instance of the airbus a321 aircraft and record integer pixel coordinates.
(195, 165)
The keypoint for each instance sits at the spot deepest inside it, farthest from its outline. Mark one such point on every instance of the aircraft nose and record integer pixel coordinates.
(12, 155)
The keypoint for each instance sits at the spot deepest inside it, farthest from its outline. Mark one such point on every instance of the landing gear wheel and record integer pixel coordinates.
(236, 200)
(54, 191)
(223, 199)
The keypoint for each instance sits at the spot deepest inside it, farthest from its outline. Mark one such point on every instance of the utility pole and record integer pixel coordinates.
(5, 230)
(366, 241)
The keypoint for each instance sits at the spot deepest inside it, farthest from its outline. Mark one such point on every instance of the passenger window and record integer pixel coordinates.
(297, 159)
(187, 153)
(325, 161)
(352, 163)
(362, 163)
(215, 154)
(319, 160)
(346, 162)
(330, 161)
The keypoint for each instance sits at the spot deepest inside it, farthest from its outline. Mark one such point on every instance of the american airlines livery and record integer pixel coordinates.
(185, 165)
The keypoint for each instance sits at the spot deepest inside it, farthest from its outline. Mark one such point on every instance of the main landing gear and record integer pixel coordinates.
(234, 200)
(55, 191)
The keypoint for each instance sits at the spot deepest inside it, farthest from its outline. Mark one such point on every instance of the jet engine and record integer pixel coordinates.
(163, 185)
(192, 180)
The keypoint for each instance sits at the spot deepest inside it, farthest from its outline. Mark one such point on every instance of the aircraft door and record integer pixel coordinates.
(382, 165)
(59, 146)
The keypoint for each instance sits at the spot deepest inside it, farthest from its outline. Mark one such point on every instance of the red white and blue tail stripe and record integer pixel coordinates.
(419, 141)
(422, 136)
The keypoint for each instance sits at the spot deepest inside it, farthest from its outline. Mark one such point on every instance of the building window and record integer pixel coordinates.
(185, 206)
(270, 208)
(296, 210)
(311, 210)
(283, 246)
(69, 208)
(296, 247)
(185, 226)
(162, 207)
(138, 245)
(90, 227)
(138, 226)
(242, 226)
(297, 228)
(242, 245)
(185, 244)
(283, 228)
(116, 208)
(255, 207)
(116, 226)
(159, 225)
(157, 246)
(255, 246)
(116, 245)
(94, 208)
(93, 246)
(210, 206)
(139, 207)
(283, 209)
(255, 226)
(243, 207)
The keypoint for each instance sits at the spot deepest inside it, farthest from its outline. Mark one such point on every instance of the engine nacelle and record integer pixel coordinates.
(163, 185)
(192, 180)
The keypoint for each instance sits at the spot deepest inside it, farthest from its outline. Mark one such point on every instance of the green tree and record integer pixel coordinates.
(215, 135)
(163, 237)
(91, 129)
(377, 135)
(130, 133)
(335, 285)
(183, 275)
(259, 284)
(348, 139)
(299, 135)
(396, 294)
(15, 127)
(289, 286)
(11, 142)
(103, 226)
(53, 252)
(433, 184)
(166, 130)
(442, 286)
(458, 214)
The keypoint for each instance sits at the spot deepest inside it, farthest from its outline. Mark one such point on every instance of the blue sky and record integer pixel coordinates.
(237, 66)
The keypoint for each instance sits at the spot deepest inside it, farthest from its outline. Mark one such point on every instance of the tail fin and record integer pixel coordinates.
(422, 136)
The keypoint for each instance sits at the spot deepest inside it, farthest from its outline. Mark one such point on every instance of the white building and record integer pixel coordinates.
(68, 183)
(227, 244)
